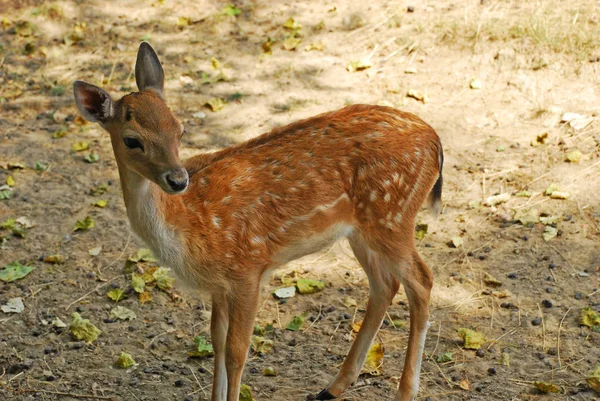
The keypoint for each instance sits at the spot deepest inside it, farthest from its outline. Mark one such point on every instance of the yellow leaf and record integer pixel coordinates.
(10, 181)
(464, 384)
(593, 379)
(215, 63)
(356, 326)
(546, 387)
(292, 24)
(471, 338)
(101, 203)
(374, 361)
(215, 104)
(291, 43)
(145, 297)
(80, 146)
(359, 65)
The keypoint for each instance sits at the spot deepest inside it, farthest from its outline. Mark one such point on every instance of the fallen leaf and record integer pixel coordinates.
(231, 11)
(122, 313)
(589, 318)
(80, 146)
(261, 345)
(397, 323)
(296, 323)
(593, 378)
(550, 220)
(56, 322)
(5, 192)
(183, 22)
(574, 156)
(60, 133)
(24, 28)
(456, 242)
(374, 362)
(527, 217)
(13, 305)
(116, 294)
(54, 259)
(349, 302)
(215, 104)
(549, 233)
(308, 286)
(10, 181)
(95, 251)
(246, 393)
(560, 195)
(475, 84)
(497, 199)
(269, 371)
(359, 65)
(418, 95)
(292, 24)
(551, 188)
(143, 255)
(314, 46)
(203, 348)
(84, 224)
(284, 292)
(445, 357)
(99, 190)
(523, 194)
(92, 157)
(356, 326)
(505, 359)
(420, 231)
(25, 222)
(83, 329)
(471, 339)
(145, 297)
(545, 387)
(291, 43)
(464, 384)
(137, 283)
(163, 280)
(492, 281)
(501, 294)
(14, 271)
(125, 361)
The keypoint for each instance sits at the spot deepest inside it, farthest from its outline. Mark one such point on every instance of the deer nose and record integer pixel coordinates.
(177, 179)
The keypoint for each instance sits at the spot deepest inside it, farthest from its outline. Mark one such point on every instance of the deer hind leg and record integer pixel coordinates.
(417, 283)
(382, 288)
(243, 305)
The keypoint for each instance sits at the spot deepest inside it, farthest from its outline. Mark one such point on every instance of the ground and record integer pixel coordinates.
(498, 76)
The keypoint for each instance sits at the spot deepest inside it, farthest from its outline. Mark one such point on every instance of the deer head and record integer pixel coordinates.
(144, 133)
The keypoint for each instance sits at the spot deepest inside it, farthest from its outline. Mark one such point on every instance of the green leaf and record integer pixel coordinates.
(296, 323)
(125, 361)
(80, 146)
(269, 371)
(546, 387)
(84, 224)
(549, 233)
(116, 294)
(8, 224)
(101, 203)
(122, 313)
(574, 156)
(39, 166)
(593, 378)
(163, 280)
(551, 188)
(215, 104)
(146, 37)
(83, 329)
(59, 134)
(261, 345)
(308, 286)
(292, 24)
(203, 348)
(246, 393)
(99, 190)
(445, 357)
(143, 255)
(471, 338)
(589, 317)
(420, 231)
(137, 283)
(14, 271)
(231, 11)
(5, 192)
(92, 157)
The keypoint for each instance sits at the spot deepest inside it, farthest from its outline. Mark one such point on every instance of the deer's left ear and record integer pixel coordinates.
(94, 103)
(149, 73)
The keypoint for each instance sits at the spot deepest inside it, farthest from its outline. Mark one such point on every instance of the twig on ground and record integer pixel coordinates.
(94, 290)
(72, 395)
(558, 337)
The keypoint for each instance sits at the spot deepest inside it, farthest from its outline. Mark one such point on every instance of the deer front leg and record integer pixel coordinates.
(243, 305)
(219, 324)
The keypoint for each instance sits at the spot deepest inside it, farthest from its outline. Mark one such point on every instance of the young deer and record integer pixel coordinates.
(224, 220)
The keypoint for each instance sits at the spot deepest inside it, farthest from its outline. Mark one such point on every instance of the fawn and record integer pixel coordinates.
(224, 220)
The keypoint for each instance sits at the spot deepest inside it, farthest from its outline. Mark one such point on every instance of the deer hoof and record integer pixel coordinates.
(325, 395)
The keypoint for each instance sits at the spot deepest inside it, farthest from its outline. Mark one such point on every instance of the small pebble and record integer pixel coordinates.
(330, 309)
(552, 351)
(410, 9)
(492, 371)
(579, 295)
(293, 342)
(552, 265)
(253, 371)
(537, 321)
(79, 309)
(549, 290)
(481, 257)
(526, 238)
(311, 397)
(480, 352)
(202, 370)
(282, 301)
(179, 383)
(546, 303)
(512, 275)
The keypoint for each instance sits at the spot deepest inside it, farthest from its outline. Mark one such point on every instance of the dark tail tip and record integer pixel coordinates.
(435, 197)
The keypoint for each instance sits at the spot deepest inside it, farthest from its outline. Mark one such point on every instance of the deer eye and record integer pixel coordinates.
(133, 143)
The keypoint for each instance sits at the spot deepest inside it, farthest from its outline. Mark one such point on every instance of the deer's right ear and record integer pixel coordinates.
(94, 103)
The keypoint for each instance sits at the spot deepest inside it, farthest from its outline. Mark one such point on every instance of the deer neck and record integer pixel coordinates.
(146, 209)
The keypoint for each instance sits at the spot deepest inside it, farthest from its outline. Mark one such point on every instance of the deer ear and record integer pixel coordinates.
(94, 103)
(149, 73)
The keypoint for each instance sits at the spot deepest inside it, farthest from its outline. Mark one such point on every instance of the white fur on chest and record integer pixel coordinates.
(149, 225)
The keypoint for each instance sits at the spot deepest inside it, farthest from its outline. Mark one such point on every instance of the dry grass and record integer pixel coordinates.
(542, 26)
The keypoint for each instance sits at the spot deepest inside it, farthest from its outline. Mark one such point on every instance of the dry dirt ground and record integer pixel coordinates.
(530, 62)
